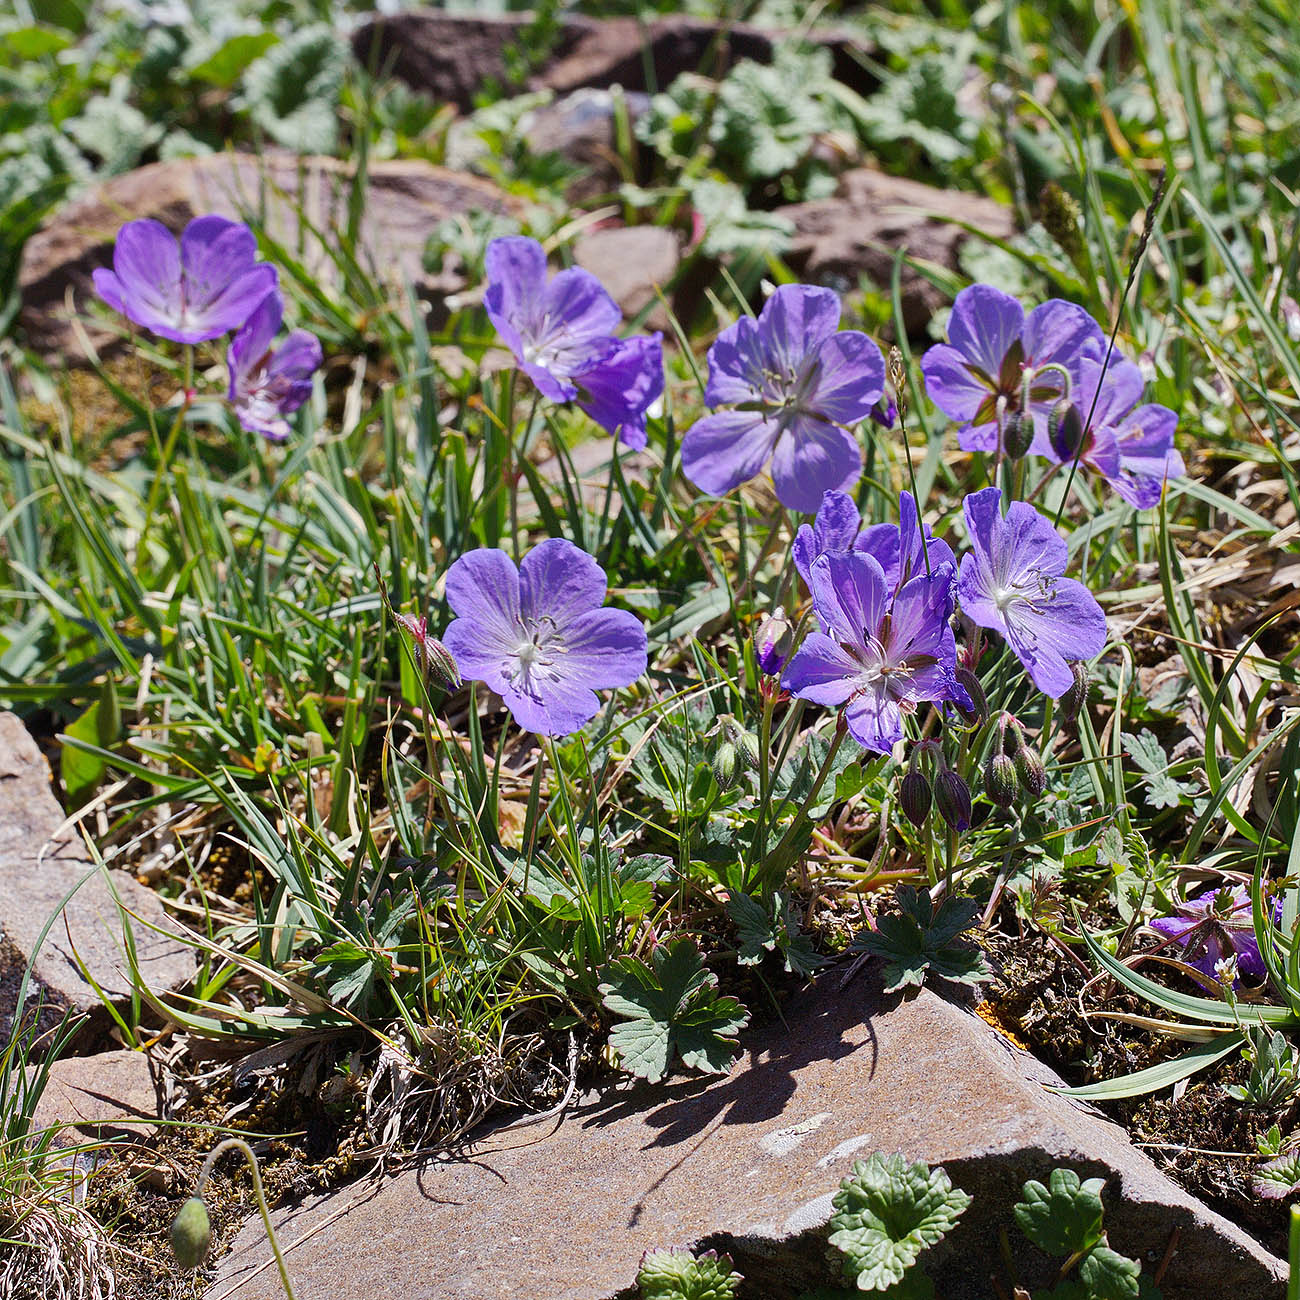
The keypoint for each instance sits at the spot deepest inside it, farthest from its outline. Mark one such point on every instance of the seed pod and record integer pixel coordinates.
(772, 642)
(724, 765)
(1065, 429)
(979, 702)
(440, 665)
(1030, 771)
(191, 1233)
(1075, 700)
(1000, 780)
(1017, 434)
(914, 796)
(952, 799)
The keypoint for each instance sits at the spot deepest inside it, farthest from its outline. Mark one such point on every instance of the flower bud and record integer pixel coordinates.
(1017, 434)
(440, 665)
(1065, 429)
(191, 1233)
(1030, 771)
(772, 642)
(1000, 780)
(1075, 698)
(979, 710)
(914, 796)
(725, 763)
(952, 799)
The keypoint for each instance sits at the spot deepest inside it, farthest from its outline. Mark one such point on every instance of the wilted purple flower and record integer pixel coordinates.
(1011, 581)
(838, 529)
(793, 381)
(618, 391)
(1214, 925)
(538, 634)
(1132, 449)
(992, 348)
(878, 659)
(206, 286)
(556, 328)
(267, 385)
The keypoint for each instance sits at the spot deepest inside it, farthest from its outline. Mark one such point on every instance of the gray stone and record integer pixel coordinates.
(298, 200)
(582, 128)
(100, 1098)
(634, 263)
(40, 863)
(749, 1164)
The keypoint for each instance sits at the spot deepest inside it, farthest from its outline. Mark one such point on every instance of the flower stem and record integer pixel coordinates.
(782, 850)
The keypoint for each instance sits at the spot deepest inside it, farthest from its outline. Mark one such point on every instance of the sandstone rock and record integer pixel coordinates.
(749, 1164)
(405, 201)
(109, 1095)
(39, 865)
(453, 56)
(873, 215)
(632, 262)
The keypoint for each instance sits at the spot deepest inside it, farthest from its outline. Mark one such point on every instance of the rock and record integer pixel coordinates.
(749, 1164)
(40, 863)
(405, 201)
(101, 1097)
(632, 262)
(858, 231)
(452, 56)
(581, 127)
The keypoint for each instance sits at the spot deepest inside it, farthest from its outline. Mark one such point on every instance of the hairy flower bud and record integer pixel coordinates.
(1030, 771)
(191, 1233)
(441, 666)
(914, 796)
(1017, 434)
(979, 711)
(772, 642)
(1000, 780)
(1075, 699)
(1065, 429)
(725, 764)
(952, 799)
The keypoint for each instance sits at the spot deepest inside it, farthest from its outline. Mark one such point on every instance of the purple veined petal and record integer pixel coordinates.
(722, 451)
(881, 542)
(950, 383)
(253, 341)
(1057, 330)
(222, 281)
(1046, 636)
(849, 596)
(477, 658)
(804, 550)
(737, 362)
(1030, 543)
(984, 437)
(1120, 390)
(1148, 459)
(812, 458)
(606, 648)
(559, 581)
(913, 555)
(975, 592)
(145, 284)
(985, 322)
(822, 672)
(851, 379)
(551, 708)
(794, 320)
(579, 322)
(875, 720)
(516, 271)
(1101, 452)
(297, 358)
(483, 589)
(919, 625)
(835, 529)
(619, 391)
(1176, 927)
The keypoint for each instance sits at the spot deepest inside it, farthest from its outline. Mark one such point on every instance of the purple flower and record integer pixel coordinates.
(618, 391)
(1011, 581)
(1217, 924)
(207, 286)
(992, 348)
(793, 381)
(838, 529)
(538, 635)
(1132, 449)
(267, 385)
(556, 328)
(879, 659)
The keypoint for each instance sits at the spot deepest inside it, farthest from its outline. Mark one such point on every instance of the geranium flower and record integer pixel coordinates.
(878, 658)
(992, 347)
(619, 391)
(205, 287)
(538, 635)
(266, 385)
(1012, 581)
(1130, 446)
(1217, 924)
(838, 528)
(793, 381)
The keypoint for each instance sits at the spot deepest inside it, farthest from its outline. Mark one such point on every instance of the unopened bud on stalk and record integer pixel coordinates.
(979, 710)
(897, 375)
(441, 666)
(1075, 699)
(914, 796)
(725, 765)
(1000, 780)
(952, 799)
(1065, 429)
(1017, 434)
(191, 1233)
(1030, 771)
(772, 642)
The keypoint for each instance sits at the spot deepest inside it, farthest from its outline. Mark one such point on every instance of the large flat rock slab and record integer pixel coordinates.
(749, 1163)
(302, 202)
(40, 863)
